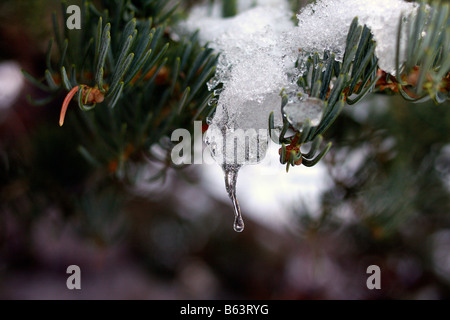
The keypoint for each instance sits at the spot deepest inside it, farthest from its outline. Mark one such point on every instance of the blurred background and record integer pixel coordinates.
(381, 196)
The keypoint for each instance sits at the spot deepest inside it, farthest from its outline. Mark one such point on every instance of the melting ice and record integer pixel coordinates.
(258, 49)
(300, 107)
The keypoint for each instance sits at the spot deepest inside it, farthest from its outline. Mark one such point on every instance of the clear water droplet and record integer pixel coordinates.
(231, 172)
(304, 108)
(238, 225)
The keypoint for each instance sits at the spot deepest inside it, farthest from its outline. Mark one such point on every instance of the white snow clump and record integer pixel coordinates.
(259, 48)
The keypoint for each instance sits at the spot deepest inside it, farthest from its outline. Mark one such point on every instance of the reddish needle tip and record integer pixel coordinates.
(66, 104)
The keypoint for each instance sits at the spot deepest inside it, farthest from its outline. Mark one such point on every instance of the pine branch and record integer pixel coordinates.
(424, 75)
(153, 84)
(426, 71)
(134, 83)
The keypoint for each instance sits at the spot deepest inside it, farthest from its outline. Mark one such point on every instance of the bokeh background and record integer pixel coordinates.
(381, 196)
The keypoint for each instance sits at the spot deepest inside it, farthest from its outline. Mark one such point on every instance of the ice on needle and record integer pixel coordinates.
(260, 45)
(258, 50)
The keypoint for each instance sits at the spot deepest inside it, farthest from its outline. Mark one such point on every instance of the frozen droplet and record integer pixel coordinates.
(231, 172)
(212, 102)
(298, 110)
(213, 147)
(212, 83)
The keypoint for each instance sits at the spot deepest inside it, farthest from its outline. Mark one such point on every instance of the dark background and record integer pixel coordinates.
(388, 204)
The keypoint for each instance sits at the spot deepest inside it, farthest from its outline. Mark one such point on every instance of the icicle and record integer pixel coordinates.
(231, 172)
(232, 149)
